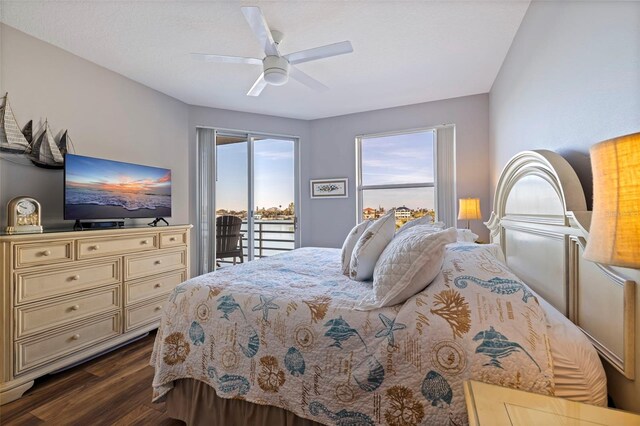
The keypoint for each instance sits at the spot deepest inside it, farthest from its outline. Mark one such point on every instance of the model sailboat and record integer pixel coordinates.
(45, 152)
(11, 138)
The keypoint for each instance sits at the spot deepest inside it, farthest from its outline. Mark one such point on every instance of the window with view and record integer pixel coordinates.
(397, 171)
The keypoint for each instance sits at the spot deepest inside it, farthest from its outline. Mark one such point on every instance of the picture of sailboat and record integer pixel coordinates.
(11, 138)
(45, 152)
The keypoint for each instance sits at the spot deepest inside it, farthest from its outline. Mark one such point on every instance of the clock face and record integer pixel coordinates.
(25, 207)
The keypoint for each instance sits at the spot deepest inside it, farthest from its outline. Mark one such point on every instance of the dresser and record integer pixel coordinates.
(68, 296)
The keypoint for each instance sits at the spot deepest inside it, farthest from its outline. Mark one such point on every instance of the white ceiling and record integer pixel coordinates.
(405, 52)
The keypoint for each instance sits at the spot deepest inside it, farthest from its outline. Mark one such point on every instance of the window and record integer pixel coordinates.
(399, 171)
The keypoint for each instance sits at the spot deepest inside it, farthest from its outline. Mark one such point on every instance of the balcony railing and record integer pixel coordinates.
(270, 237)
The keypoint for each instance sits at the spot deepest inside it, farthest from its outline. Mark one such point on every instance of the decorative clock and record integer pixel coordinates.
(24, 215)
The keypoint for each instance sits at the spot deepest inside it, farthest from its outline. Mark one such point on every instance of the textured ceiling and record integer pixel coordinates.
(405, 52)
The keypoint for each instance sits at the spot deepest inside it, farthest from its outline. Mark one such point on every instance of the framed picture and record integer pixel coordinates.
(330, 188)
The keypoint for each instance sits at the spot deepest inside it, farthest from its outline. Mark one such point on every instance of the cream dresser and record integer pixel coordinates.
(67, 296)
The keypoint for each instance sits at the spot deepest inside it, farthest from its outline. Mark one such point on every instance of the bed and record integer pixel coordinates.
(279, 341)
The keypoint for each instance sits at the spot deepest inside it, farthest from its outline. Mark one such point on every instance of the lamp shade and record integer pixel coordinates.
(614, 235)
(469, 209)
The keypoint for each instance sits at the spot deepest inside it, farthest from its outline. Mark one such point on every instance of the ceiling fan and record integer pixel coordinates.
(277, 68)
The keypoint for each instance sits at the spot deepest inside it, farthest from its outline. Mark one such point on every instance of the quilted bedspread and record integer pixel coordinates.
(283, 331)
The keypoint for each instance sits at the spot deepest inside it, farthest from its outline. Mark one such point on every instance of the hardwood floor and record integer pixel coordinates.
(114, 389)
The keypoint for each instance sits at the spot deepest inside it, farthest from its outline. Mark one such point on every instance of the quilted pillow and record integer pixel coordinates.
(424, 220)
(370, 245)
(407, 266)
(350, 243)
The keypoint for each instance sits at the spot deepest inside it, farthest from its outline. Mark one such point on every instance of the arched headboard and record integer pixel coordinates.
(541, 222)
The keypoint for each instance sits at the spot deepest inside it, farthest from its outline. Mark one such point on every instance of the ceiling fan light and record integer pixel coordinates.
(276, 76)
(276, 70)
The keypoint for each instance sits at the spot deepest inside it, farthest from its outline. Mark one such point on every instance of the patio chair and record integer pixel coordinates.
(229, 238)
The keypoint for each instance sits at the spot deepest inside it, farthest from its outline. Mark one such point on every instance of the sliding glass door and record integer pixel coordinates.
(274, 195)
(252, 177)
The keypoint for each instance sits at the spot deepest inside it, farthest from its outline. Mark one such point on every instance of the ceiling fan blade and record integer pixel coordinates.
(205, 57)
(260, 29)
(306, 79)
(257, 87)
(321, 52)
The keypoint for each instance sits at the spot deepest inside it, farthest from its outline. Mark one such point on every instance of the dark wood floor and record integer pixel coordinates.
(114, 389)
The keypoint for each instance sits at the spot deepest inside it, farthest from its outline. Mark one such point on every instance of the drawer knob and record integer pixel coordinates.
(144, 242)
(94, 247)
(75, 307)
(46, 253)
(158, 308)
(75, 337)
(158, 285)
(172, 239)
(75, 278)
(157, 262)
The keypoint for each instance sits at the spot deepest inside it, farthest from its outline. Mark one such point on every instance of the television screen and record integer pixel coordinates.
(103, 189)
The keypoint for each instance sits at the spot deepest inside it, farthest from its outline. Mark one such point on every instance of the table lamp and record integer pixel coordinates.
(469, 209)
(614, 235)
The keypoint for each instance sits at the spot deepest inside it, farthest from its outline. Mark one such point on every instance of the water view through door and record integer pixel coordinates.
(256, 182)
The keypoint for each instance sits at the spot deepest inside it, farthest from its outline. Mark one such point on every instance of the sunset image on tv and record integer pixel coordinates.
(104, 189)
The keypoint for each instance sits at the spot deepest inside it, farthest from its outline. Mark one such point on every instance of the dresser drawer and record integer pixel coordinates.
(43, 253)
(145, 289)
(37, 317)
(105, 246)
(43, 283)
(137, 316)
(143, 265)
(34, 352)
(173, 239)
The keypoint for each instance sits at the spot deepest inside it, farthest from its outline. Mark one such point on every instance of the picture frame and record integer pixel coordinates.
(329, 188)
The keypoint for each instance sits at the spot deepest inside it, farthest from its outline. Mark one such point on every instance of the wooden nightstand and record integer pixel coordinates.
(495, 405)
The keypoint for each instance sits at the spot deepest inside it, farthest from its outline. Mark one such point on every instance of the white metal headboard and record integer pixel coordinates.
(540, 220)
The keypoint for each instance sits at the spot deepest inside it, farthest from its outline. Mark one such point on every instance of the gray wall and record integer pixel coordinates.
(570, 79)
(327, 149)
(113, 117)
(333, 154)
(107, 116)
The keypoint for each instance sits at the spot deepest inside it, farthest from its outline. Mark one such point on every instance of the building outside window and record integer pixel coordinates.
(403, 212)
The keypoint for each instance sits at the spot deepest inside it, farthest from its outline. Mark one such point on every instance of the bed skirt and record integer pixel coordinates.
(196, 403)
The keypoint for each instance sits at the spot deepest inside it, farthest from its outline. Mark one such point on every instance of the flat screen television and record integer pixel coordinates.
(95, 188)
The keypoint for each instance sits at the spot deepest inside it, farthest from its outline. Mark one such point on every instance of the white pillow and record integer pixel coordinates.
(424, 220)
(466, 235)
(370, 245)
(350, 243)
(407, 266)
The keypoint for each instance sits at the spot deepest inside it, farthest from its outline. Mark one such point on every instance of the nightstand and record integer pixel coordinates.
(496, 405)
